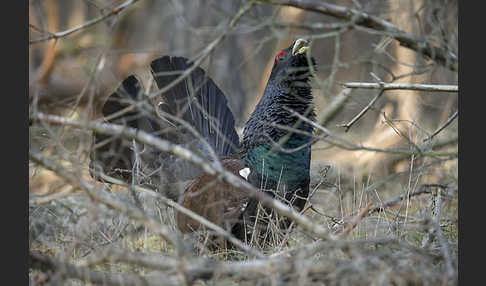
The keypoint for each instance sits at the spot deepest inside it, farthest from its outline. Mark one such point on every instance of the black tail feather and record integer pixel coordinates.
(198, 101)
(115, 155)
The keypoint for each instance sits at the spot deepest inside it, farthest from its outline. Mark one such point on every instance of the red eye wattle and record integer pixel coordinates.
(278, 55)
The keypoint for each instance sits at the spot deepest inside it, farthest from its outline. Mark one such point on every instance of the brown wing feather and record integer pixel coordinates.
(217, 201)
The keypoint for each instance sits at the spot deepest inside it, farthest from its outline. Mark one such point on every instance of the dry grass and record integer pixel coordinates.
(399, 245)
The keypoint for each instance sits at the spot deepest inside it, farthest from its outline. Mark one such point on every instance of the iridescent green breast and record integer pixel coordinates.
(278, 165)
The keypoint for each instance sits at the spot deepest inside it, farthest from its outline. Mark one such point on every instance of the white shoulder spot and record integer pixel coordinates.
(245, 172)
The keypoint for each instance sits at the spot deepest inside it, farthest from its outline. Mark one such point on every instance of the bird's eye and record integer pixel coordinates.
(279, 55)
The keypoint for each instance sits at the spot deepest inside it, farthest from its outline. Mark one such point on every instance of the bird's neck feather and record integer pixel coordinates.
(260, 138)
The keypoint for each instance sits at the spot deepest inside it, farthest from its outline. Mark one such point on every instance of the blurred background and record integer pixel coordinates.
(73, 75)
(60, 70)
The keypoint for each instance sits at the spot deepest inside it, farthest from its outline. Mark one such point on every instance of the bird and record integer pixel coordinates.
(273, 155)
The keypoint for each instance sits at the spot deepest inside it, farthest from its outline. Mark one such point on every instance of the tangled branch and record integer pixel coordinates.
(441, 55)
(54, 36)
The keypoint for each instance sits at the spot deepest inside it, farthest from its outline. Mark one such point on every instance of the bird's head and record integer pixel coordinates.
(292, 63)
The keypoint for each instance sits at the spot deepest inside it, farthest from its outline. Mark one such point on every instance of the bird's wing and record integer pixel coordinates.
(213, 199)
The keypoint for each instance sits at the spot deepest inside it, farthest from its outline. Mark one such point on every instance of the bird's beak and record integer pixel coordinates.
(301, 46)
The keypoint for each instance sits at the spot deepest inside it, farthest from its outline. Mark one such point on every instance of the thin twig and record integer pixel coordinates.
(186, 154)
(106, 198)
(362, 112)
(356, 220)
(400, 133)
(423, 189)
(441, 55)
(195, 64)
(67, 270)
(117, 10)
(404, 86)
(334, 107)
(449, 121)
(442, 240)
(187, 212)
(39, 200)
(206, 52)
(347, 145)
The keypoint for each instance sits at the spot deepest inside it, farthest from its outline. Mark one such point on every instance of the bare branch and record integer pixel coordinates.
(449, 121)
(207, 167)
(441, 55)
(407, 86)
(189, 213)
(106, 198)
(334, 107)
(356, 220)
(117, 10)
(442, 241)
(66, 270)
(207, 51)
(38, 200)
(347, 145)
(423, 189)
(363, 111)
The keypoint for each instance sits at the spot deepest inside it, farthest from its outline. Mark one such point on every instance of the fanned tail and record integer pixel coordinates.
(115, 155)
(196, 100)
